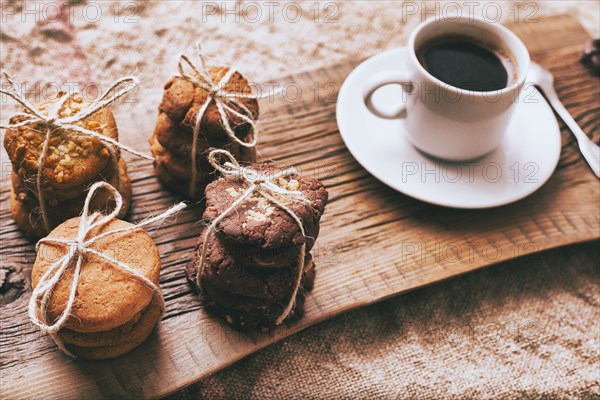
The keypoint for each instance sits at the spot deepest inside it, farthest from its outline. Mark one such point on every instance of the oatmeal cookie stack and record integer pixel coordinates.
(251, 259)
(173, 137)
(73, 162)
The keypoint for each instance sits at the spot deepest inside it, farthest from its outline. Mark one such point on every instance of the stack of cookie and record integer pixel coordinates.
(113, 312)
(250, 266)
(172, 141)
(73, 162)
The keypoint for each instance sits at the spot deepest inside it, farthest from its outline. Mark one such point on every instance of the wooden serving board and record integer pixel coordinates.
(375, 243)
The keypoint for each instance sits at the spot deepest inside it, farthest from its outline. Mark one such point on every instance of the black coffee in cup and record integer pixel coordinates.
(467, 64)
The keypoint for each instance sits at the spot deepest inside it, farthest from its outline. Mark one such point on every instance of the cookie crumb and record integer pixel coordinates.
(232, 192)
(256, 216)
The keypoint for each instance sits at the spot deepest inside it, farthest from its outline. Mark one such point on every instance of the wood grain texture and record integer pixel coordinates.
(375, 243)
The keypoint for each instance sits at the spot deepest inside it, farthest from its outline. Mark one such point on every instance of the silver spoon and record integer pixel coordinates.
(544, 80)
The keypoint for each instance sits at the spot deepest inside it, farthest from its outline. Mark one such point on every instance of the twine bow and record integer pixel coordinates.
(266, 187)
(216, 91)
(53, 121)
(77, 249)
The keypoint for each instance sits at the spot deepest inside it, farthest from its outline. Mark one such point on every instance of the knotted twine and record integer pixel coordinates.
(216, 91)
(268, 188)
(76, 251)
(52, 121)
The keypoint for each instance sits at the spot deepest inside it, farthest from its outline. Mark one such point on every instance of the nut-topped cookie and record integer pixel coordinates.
(72, 158)
(257, 221)
(270, 217)
(58, 148)
(25, 207)
(54, 195)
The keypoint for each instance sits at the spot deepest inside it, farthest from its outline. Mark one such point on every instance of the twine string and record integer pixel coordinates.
(54, 122)
(200, 77)
(269, 189)
(76, 250)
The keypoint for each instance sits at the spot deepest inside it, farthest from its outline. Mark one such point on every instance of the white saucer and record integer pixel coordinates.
(518, 167)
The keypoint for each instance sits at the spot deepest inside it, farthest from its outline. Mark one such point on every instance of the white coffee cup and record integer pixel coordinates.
(442, 120)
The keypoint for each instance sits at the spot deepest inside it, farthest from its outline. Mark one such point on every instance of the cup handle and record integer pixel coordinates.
(385, 78)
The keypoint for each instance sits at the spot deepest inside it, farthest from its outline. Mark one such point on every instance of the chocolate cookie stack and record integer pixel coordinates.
(251, 261)
(73, 162)
(113, 312)
(172, 141)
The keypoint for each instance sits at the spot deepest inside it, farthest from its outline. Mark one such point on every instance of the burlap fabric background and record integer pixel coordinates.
(524, 329)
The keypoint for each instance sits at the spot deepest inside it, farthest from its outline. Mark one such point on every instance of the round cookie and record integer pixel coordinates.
(258, 222)
(179, 141)
(248, 304)
(256, 256)
(134, 331)
(180, 186)
(240, 315)
(182, 100)
(177, 98)
(107, 297)
(178, 167)
(26, 213)
(53, 195)
(72, 207)
(27, 220)
(107, 352)
(73, 158)
(224, 272)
